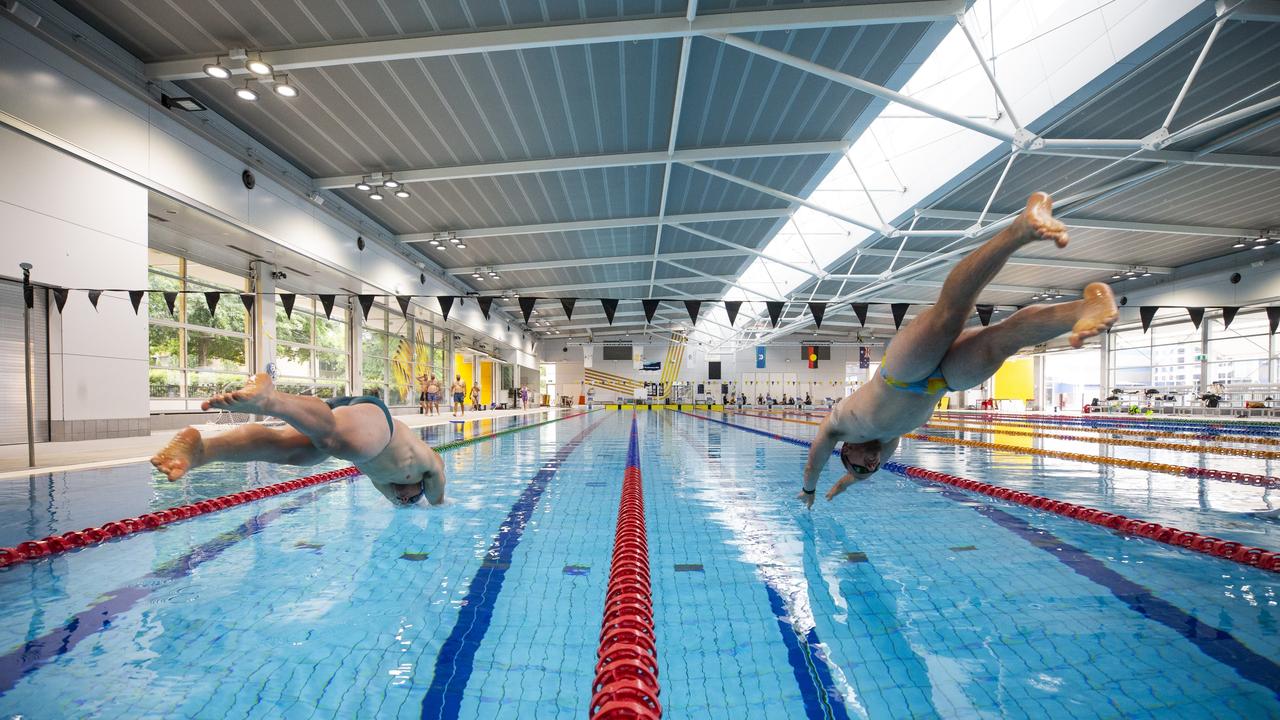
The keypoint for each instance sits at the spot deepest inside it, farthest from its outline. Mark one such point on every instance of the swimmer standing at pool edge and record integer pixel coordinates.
(934, 353)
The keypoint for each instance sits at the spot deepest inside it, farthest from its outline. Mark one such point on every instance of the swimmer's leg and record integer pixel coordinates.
(980, 352)
(918, 349)
(247, 443)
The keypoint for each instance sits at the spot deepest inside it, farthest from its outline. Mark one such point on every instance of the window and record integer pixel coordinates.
(1240, 354)
(1165, 358)
(192, 352)
(311, 350)
(396, 351)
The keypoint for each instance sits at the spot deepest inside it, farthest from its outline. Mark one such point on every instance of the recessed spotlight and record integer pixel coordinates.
(284, 88)
(391, 183)
(246, 93)
(460, 246)
(375, 195)
(258, 66)
(362, 185)
(402, 193)
(216, 69)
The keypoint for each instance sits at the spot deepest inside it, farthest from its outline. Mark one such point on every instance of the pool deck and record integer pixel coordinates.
(84, 454)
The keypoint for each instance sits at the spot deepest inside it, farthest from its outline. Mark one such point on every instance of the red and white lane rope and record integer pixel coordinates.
(626, 682)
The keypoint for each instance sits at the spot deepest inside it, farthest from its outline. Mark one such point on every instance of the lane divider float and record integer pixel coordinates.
(1208, 545)
(626, 681)
(77, 539)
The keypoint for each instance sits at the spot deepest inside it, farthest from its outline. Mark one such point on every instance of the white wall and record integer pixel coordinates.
(1259, 284)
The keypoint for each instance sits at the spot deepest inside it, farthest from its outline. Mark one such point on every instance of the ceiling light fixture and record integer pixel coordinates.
(391, 183)
(258, 66)
(1239, 244)
(460, 246)
(375, 195)
(402, 193)
(284, 88)
(1259, 246)
(216, 69)
(363, 186)
(475, 275)
(246, 93)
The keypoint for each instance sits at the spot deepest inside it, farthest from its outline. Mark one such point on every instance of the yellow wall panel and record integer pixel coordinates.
(1015, 380)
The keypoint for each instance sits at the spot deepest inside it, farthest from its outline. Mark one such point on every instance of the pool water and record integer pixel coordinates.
(898, 599)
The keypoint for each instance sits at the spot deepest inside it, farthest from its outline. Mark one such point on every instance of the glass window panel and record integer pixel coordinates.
(377, 319)
(1176, 332)
(156, 306)
(331, 333)
(1238, 348)
(1131, 358)
(163, 346)
(230, 312)
(296, 329)
(373, 344)
(1246, 323)
(220, 352)
(293, 361)
(331, 365)
(1132, 378)
(202, 384)
(165, 383)
(1240, 372)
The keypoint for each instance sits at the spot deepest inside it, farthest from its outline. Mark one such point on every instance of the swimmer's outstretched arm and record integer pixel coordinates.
(819, 454)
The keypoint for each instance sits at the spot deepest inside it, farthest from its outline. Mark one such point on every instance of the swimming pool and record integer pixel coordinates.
(900, 599)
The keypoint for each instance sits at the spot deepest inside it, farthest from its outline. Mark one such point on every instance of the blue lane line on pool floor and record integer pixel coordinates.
(59, 641)
(1212, 641)
(456, 660)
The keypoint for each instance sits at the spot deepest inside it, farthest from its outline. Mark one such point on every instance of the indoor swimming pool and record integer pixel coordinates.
(902, 598)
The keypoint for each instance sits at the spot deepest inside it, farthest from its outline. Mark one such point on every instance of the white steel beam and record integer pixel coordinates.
(811, 271)
(715, 278)
(868, 87)
(614, 284)
(1028, 261)
(572, 34)
(678, 102)
(1121, 225)
(583, 262)
(994, 287)
(789, 198)
(602, 224)
(587, 162)
(1172, 157)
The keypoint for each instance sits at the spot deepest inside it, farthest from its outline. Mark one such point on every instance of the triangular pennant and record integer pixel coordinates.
(327, 302)
(692, 307)
(526, 307)
(246, 299)
(135, 297)
(899, 311)
(731, 309)
(286, 299)
(366, 304)
(984, 314)
(650, 307)
(170, 297)
(1273, 314)
(1228, 314)
(60, 298)
(93, 298)
(567, 304)
(860, 309)
(211, 299)
(775, 311)
(403, 301)
(1197, 315)
(446, 304)
(610, 306)
(485, 302)
(817, 309)
(1147, 313)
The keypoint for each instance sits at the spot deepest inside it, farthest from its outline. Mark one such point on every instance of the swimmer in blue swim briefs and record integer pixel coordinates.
(359, 430)
(935, 353)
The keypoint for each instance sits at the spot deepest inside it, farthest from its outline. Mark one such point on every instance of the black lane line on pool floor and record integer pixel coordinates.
(456, 659)
(59, 641)
(1212, 641)
(822, 699)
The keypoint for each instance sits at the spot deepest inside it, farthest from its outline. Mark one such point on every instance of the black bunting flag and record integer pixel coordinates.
(327, 302)
(984, 314)
(610, 306)
(211, 299)
(526, 307)
(775, 310)
(731, 309)
(403, 301)
(446, 304)
(170, 297)
(860, 309)
(1228, 314)
(485, 303)
(287, 300)
(650, 307)
(567, 304)
(135, 297)
(246, 299)
(366, 304)
(60, 298)
(93, 298)
(1147, 313)
(692, 307)
(1273, 314)
(817, 309)
(899, 311)
(1197, 315)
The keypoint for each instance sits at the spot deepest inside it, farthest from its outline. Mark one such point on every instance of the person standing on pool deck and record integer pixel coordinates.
(423, 406)
(935, 353)
(459, 390)
(359, 430)
(433, 395)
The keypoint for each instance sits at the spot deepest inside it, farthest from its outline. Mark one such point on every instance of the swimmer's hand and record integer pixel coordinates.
(841, 484)
(807, 498)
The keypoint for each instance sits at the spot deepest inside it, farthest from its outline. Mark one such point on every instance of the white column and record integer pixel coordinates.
(264, 316)
(355, 321)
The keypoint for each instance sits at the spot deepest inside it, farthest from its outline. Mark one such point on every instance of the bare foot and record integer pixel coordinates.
(252, 398)
(184, 451)
(1097, 313)
(1038, 223)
